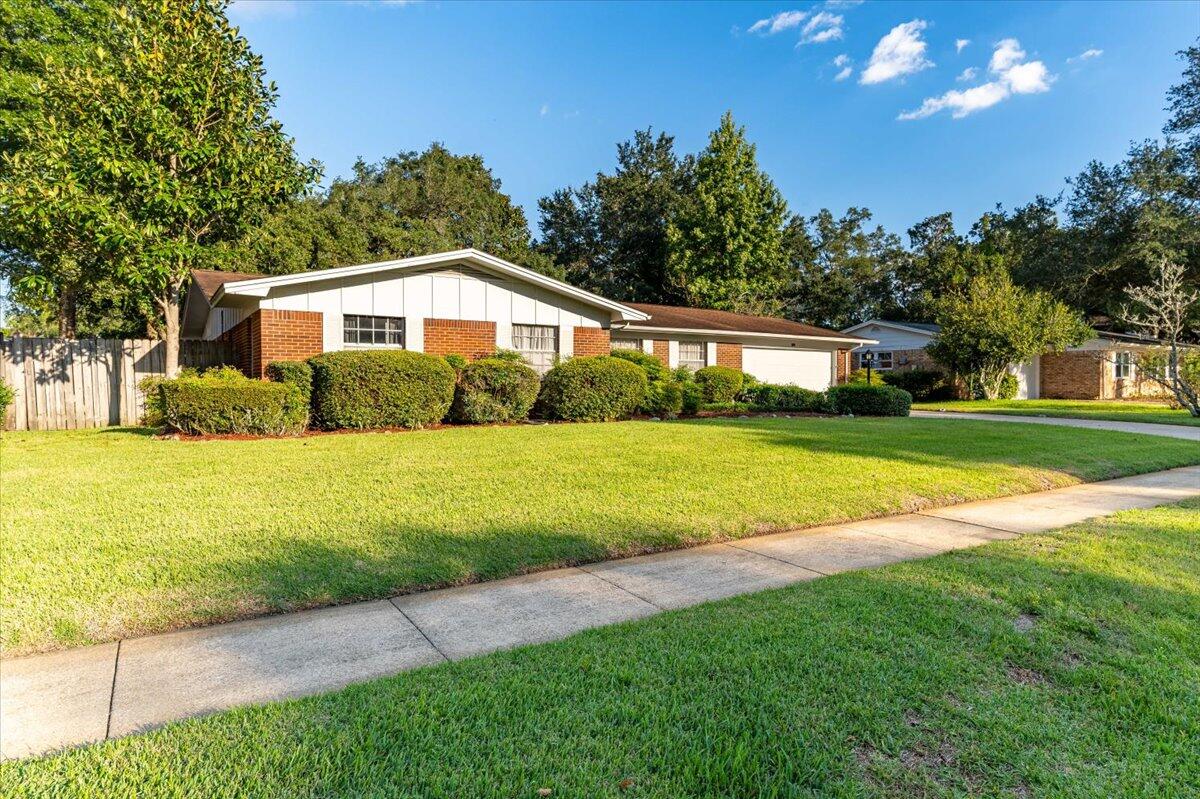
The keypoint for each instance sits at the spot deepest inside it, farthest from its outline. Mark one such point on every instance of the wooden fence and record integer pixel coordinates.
(66, 384)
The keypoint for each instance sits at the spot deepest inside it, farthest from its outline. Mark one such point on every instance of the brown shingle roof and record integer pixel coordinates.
(670, 316)
(209, 280)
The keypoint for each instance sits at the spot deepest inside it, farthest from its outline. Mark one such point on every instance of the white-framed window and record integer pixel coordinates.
(373, 331)
(538, 344)
(883, 360)
(1123, 366)
(693, 354)
(627, 344)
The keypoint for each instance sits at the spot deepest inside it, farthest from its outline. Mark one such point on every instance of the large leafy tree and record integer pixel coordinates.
(610, 235)
(725, 244)
(991, 324)
(158, 149)
(409, 204)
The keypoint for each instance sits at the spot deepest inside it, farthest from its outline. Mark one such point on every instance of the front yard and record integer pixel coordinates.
(114, 533)
(1058, 665)
(1153, 412)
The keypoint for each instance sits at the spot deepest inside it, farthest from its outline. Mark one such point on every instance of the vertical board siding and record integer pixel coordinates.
(67, 384)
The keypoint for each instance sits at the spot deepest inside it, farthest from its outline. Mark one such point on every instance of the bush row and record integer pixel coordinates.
(397, 388)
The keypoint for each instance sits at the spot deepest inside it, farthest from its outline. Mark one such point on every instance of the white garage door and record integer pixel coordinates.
(806, 368)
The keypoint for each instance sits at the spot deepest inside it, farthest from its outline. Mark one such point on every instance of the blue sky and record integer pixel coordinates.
(849, 103)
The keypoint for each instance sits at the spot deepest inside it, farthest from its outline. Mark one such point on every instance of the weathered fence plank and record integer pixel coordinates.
(67, 384)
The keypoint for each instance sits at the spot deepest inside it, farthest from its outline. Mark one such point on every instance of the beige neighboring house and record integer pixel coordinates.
(470, 303)
(1103, 367)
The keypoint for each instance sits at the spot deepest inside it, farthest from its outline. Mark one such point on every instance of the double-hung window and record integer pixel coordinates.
(627, 344)
(883, 360)
(538, 344)
(693, 354)
(1123, 367)
(372, 331)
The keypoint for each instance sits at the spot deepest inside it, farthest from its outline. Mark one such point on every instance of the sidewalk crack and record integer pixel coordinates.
(429, 640)
(112, 692)
(586, 570)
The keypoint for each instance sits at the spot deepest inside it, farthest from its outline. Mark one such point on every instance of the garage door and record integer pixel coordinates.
(807, 368)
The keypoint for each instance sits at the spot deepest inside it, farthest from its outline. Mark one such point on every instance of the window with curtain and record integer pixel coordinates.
(538, 344)
(627, 344)
(373, 331)
(693, 354)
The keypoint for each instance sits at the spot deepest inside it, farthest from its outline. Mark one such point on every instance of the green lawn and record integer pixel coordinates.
(1153, 412)
(115, 533)
(1064, 665)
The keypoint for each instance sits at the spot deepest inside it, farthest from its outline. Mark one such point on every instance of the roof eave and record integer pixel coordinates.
(713, 332)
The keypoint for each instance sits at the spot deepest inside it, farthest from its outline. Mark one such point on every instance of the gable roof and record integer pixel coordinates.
(207, 281)
(922, 328)
(675, 318)
(261, 285)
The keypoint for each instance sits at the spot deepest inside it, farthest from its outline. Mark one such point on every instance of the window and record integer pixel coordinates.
(693, 354)
(883, 360)
(538, 343)
(627, 344)
(1123, 368)
(373, 331)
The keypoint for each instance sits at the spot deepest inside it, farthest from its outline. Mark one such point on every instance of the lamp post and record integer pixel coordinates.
(868, 358)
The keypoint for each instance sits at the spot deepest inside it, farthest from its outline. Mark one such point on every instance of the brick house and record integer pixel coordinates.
(470, 303)
(1104, 367)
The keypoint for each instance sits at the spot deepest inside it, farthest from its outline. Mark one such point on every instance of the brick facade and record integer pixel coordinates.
(843, 366)
(662, 351)
(460, 337)
(268, 335)
(1073, 375)
(729, 355)
(592, 341)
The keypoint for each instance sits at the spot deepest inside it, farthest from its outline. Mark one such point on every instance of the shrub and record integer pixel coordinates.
(693, 398)
(494, 390)
(719, 383)
(152, 411)
(863, 400)
(860, 376)
(380, 388)
(7, 395)
(509, 355)
(664, 398)
(592, 389)
(921, 383)
(725, 407)
(223, 403)
(1009, 386)
(457, 362)
(771, 397)
(651, 365)
(293, 373)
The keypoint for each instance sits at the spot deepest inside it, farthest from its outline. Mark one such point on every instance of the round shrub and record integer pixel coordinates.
(1009, 387)
(380, 388)
(652, 366)
(921, 383)
(863, 400)
(719, 383)
(293, 373)
(494, 390)
(664, 399)
(592, 389)
(693, 398)
(224, 404)
(860, 376)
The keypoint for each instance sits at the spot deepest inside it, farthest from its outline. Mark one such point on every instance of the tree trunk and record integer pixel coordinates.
(68, 300)
(169, 303)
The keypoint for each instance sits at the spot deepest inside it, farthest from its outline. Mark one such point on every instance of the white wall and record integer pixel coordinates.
(891, 339)
(811, 369)
(465, 293)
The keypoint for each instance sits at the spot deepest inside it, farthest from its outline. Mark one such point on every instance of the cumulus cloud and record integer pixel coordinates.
(901, 52)
(967, 74)
(784, 20)
(1086, 55)
(845, 70)
(1012, 74)
(959, 44)
(822, 27)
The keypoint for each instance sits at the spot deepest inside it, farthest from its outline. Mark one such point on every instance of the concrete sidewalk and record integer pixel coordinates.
(88, 694)
(1141, 428)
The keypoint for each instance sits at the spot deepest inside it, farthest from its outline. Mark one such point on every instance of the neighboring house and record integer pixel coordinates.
(1103, 367)
(470, 303)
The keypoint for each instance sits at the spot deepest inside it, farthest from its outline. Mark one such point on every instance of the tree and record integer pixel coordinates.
(725, 242)
(1161, 310)
(408, 204)
(157, 150)
(992, 324)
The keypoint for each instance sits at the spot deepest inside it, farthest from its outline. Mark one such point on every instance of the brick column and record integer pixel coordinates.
(662, 351)
(592, 341)
(268, 335)
(843, 366)
(729, 355)
(460, 337)
(1072, 375)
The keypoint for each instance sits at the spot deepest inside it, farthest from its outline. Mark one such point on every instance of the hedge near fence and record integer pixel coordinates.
(383, 388)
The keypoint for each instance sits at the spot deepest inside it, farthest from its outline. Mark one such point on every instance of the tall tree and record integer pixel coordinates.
(725, 243)
(160, 148)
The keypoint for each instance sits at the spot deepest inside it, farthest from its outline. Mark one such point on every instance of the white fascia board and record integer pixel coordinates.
(261, 286)
(893, 325)
(694, 331)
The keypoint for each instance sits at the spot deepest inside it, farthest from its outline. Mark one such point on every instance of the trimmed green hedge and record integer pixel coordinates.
(772, 397)
(596, 388)
(921, 383)
(380, 388)
(293, 373)
(664, 399)
(494, 390)
(224, 404)
(719, 383)
(861, 399)
(651, 365)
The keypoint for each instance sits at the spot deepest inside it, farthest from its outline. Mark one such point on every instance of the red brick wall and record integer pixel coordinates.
(843, 365)
(592, 341)
(460, 337)
(729, 355)
(268, 335)
(1073, 375)
(662, 352)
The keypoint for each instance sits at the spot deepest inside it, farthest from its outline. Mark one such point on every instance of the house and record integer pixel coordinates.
(1103, 367)
(470, 303)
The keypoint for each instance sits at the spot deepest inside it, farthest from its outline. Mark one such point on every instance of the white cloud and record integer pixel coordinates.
(822, 27)
(1013, 75)
(844, 73)
(784, 20)
(843, 3)
(545, 109)
(842, 60)
(1086, 55)
(845, 70)
(901, 52)
(959, 44)
(967, 74)
(263, 9)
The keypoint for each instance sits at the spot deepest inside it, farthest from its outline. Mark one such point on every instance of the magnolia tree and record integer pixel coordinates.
(992, 324)
(1160, 310)
(155, 150)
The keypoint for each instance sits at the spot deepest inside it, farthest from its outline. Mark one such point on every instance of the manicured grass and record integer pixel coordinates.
(1064, 665)
(116, 533)
(1153, 412)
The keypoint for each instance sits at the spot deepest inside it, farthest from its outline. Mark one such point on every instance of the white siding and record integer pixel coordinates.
(891, 339)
